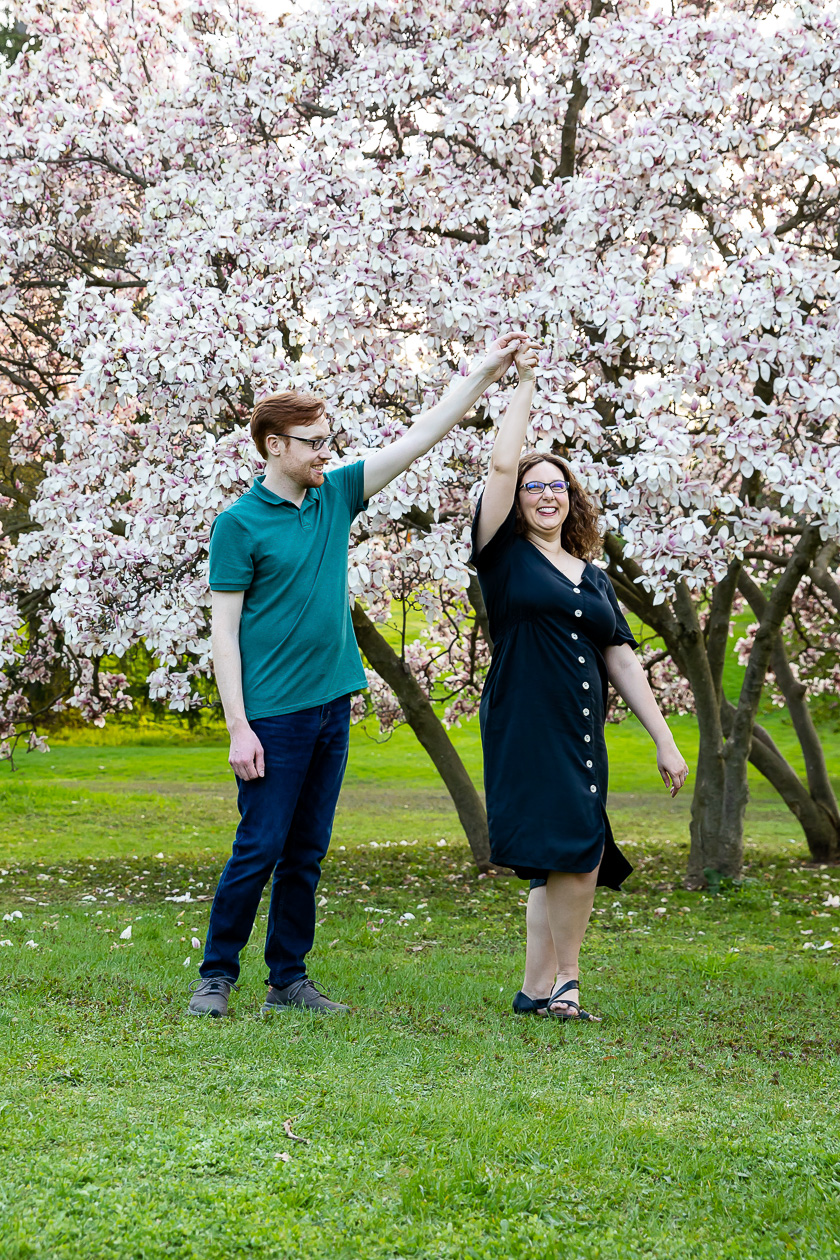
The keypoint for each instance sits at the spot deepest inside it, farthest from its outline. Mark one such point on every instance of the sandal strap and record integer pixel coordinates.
(564, 988)
(558, 996)
(524, 1005)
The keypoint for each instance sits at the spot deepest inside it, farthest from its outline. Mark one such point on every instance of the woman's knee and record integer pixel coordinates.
(576, 882)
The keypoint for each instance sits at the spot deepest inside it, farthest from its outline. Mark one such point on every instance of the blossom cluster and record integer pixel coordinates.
(202, 205)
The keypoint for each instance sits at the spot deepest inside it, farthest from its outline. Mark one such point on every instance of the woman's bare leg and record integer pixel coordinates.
(540, 962)
(568, 902)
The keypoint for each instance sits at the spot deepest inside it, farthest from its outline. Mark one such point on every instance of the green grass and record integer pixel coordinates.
(698, 1121)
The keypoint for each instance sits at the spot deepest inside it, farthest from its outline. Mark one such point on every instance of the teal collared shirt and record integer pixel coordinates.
(296, 636)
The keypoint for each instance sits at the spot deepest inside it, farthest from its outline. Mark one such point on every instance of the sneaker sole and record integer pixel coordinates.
(207, 1014)
(275, 1008)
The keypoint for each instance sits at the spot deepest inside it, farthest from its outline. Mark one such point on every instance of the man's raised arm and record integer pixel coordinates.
(387, 463)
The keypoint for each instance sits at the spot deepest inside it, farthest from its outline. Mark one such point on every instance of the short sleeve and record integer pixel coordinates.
(492, 550)
(349, 481)
(231, 560)
(623, 633)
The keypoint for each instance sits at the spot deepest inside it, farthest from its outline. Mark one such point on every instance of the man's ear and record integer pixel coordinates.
(274, 444)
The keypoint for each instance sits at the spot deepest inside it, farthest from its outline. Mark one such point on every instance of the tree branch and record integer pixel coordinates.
(429, 730)
(577, 100)
(775, 611)
(795, 694)
(820, 575)
(720, 617)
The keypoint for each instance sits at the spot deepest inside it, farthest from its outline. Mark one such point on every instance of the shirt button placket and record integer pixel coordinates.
(587, 739)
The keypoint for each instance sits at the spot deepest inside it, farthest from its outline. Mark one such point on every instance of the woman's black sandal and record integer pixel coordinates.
(523, 1005)
(558, 996)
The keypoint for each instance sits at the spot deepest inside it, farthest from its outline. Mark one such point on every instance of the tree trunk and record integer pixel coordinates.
(430, 731)
(711, 848)
(678, 625)
(819, 825)
(728, 734)
(739, 742)
(820, 817)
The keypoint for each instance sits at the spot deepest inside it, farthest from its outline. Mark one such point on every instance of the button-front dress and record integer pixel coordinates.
(543, 711)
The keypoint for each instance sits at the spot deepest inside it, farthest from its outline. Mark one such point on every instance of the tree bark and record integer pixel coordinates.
(430, 731)
(729, 736)
(820, 575)
(820, 816)
(711, 847)
(577, 99)
(819, 825)
(679, 626)
(739, 742)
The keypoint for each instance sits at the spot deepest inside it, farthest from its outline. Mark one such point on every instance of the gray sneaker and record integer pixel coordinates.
(210, 996)
(303, 995)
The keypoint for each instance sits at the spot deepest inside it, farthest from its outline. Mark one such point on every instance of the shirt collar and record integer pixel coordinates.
(311, 497)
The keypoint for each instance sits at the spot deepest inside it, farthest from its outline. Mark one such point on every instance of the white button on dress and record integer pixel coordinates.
(587, 739)
(586, 713)
(589, 765)
(578, 612)
(586, 686)
(582, 660)
(593, 788)
(576, 590)
(574, 636)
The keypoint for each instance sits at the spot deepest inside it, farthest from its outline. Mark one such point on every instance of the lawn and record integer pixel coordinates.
(699, 1120)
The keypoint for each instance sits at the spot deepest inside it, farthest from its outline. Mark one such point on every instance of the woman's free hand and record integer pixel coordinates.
(500, 355)
(526, 360)
(671, 765)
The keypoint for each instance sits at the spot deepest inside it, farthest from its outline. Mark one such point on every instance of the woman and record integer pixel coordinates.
(559, 639)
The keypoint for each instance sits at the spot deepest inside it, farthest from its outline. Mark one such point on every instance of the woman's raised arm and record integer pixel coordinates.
(500, 489)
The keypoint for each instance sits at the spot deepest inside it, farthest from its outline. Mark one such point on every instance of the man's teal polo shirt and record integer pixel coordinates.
(296, 635)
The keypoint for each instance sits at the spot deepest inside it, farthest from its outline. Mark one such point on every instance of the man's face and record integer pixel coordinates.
(294, 456)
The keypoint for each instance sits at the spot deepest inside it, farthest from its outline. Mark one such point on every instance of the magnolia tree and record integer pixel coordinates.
(200, 205)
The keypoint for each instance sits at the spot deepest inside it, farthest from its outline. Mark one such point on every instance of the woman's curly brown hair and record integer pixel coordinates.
(580, 535)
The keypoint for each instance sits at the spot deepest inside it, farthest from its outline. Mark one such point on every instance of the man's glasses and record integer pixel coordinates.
(317, 444)
(537, 487)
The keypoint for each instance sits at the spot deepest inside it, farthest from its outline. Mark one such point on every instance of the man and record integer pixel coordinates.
(286, 662)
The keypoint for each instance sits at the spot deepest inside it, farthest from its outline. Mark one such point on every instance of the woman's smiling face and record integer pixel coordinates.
(543, 512)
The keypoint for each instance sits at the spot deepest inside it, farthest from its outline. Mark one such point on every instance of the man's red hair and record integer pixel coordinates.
(278, 412)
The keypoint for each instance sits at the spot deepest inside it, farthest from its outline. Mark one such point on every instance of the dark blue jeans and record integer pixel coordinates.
(286, 823)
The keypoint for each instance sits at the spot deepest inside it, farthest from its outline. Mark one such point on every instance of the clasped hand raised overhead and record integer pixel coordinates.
(503, 353)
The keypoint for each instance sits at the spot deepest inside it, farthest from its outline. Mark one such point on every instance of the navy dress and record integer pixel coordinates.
(543, 709)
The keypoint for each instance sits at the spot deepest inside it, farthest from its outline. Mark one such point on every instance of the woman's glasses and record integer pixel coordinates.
(537, 487)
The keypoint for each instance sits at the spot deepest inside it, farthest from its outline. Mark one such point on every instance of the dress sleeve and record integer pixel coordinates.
(349, 481)
(231, 559)
(491, 552)
(623, 633)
